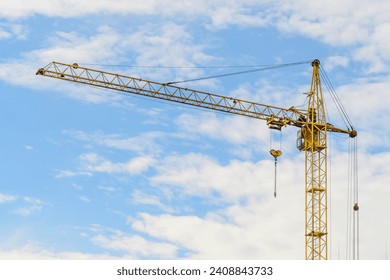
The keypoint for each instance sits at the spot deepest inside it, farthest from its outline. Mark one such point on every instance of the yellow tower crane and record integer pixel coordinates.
(312, 133)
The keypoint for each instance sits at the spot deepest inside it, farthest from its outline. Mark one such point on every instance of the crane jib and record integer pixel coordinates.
(125, 84)
(276, 117)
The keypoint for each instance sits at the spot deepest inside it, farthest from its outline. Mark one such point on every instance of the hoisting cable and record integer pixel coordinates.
(240, 72)
(275, 154)
(355, 186)
(353, 227)
(352, 249)
(340, 107)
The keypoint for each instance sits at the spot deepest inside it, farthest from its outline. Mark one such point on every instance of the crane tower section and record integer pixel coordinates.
(312, 140)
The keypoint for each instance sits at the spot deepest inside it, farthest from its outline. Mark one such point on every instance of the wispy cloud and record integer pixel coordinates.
(12, 31)
(142, 198)
(85, 199)
(65, 45)
(95, 163)
(144, 143)
(32, 205)
(91, 163)
(342, 24)
(220, 11)
(201, 175)
(153, 45)
(216, 238)
(62, 46)
(108, 189)
(239, 131)
(168, 44)
(69, 173)
(23, 206)
(7, 198)
(339, 24)
(136, 246)
(35, 251)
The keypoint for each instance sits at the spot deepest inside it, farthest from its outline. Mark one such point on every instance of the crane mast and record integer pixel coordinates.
(314, 145)
(311, 138)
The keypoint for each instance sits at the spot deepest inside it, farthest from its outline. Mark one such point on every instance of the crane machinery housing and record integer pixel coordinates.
(311, 136)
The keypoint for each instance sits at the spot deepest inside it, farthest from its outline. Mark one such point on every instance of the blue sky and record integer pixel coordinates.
(91, 174)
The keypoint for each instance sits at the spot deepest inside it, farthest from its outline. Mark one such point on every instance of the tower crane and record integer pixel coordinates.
(311, 136)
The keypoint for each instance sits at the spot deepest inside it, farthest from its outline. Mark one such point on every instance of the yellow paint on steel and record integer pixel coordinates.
(312, 134)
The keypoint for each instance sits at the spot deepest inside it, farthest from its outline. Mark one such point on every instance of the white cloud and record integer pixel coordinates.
(32, 205)
(361, 27)
(257, 226)
(108, 189)
(142, 198)
(136, 246)
(238, 232)
(85, 199)
(240, 13)
(168, 44)
(19, 8)
(373, 196)
(319, 19)
(235, 130)
(7, 198)
(181, 230)
(336, 61)
(94, 163)
(145, 143)
(29, 205)
(375, 49)
(152, 45)
(9, 31)
(69, 173)
(183, 9)
(34, 251)
(28, 147)
(367, 103)
(200, 175)
(4, 34)
(64, 47)
(102, 46)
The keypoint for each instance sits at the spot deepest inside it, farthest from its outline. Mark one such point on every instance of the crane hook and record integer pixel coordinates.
(275, 154)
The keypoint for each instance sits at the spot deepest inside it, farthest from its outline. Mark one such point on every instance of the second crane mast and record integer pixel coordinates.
(312, 134)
